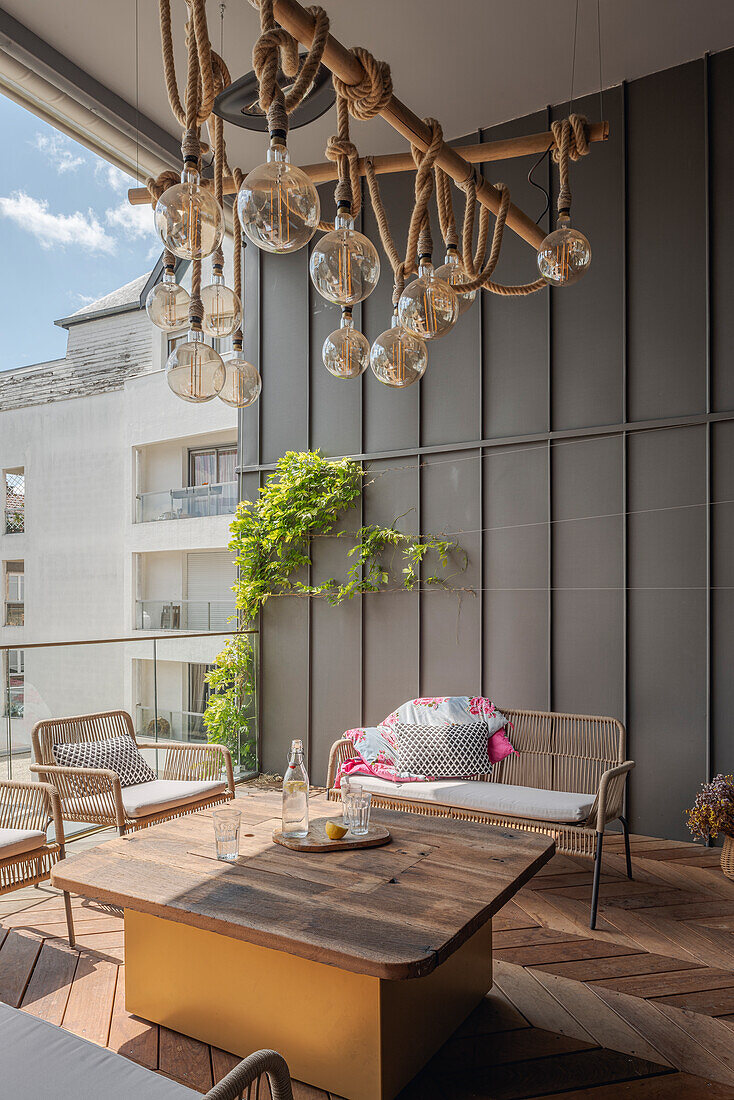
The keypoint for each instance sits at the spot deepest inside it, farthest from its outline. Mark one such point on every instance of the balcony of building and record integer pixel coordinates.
(191, 479)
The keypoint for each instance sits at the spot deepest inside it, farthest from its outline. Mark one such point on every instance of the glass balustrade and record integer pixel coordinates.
(191, 502)
(185, 614)
(161, 680)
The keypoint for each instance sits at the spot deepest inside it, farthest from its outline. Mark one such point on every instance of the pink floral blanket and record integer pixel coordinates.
(376, 745)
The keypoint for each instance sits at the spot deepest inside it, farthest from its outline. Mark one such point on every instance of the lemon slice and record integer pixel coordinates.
(335, 831)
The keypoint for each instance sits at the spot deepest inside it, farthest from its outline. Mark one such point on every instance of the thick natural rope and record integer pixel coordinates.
(196, 308)
(373, 92)
(238, 176)
(445, 207)
(276, 48)
(571, 137)
(423, 189)
(483, 277)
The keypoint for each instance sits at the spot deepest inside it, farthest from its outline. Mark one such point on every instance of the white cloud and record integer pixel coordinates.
(54, 230)
(135, 221)
(113, 177)
(59, 149)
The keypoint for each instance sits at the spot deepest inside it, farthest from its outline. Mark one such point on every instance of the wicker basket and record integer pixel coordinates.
(727, 856)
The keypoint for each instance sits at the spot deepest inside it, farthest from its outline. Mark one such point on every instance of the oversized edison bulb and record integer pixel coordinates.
(188, 218)
(398, 357)
(243, 382)
(428, 306)
(344, 264)
(565, 255)
(222, 309)
(278, 204)
(167, 304)
(452, 271)
(346, 352)
(194, 371)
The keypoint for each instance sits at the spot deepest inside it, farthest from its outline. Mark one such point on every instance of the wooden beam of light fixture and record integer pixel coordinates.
(487, 151)
(301, 24)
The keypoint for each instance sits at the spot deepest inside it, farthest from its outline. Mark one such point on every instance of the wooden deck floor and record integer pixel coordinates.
(642, 1008)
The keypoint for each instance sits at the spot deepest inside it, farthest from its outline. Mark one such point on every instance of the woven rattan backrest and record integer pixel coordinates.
(560, 752)
(84, 727)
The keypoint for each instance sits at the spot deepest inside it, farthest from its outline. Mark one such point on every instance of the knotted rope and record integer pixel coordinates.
(571, 142)
(419, 229)
(237, 338)
(373, 92)
(276, 48)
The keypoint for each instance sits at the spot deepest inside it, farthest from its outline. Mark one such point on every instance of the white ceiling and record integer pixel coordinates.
(470, 63)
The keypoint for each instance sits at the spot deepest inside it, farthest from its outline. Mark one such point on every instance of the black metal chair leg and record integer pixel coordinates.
(597, 876)
(626, 830)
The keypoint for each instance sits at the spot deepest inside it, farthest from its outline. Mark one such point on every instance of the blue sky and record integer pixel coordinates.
(68, 234)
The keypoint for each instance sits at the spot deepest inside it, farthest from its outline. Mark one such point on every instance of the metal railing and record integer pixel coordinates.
(192, 502)
(14, 614)
(207, 615)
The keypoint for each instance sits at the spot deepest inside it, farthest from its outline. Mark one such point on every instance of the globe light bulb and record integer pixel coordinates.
(452, 271)
(278, 204)
(346, 352)
(565, 255)
(188, 218)
(194, 371)
(222, 308)
(428, 306)
(344, 264)
(398, 357)
(242, 384)
(167, 304)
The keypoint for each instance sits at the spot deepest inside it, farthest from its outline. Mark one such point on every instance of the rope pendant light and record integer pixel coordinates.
(278, 210)
(277, 204)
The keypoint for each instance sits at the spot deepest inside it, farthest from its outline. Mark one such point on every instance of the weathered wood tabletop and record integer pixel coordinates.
(392, 912)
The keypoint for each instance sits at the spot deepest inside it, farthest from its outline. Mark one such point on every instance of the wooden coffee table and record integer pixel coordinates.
(355, 965)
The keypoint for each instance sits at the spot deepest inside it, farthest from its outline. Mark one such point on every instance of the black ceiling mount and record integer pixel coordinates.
(239, 105)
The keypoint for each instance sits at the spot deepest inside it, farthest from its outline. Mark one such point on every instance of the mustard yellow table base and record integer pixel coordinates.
(357, 1036)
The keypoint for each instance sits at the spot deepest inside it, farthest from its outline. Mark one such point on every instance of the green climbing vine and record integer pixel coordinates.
(305, 498)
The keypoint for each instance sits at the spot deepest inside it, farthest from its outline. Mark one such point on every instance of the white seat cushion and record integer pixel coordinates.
(496, 798)
(39, 1060)
(143, 799)
(13, 842)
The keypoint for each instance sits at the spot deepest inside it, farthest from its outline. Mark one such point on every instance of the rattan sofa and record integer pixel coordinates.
(192, 776)
(38, 1059)
(26, 853)
(555, 752)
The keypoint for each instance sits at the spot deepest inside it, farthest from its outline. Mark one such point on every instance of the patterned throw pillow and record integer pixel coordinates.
(447, 751)
(117, 754)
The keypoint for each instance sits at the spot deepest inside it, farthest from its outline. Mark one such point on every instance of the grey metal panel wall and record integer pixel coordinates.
(600, 424)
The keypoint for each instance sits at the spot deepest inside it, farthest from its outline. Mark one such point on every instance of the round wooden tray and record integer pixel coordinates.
(318, 841)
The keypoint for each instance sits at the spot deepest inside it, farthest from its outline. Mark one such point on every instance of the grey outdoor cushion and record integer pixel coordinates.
(39, 1061)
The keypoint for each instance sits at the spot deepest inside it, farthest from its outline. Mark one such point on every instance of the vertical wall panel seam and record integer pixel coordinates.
(309, 581)
(625, 440)
(707, 351)
(549, 420)
(258, 360)
(480, 402)
(361, 495)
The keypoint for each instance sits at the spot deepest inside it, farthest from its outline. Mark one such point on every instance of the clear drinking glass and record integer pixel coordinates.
(358, 809)
(227, 833)
(347, 787)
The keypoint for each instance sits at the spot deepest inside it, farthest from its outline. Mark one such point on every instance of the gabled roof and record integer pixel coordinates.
(122, 300)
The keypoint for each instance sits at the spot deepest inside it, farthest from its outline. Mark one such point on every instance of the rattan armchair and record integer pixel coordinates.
(555, 752)
(95, 795)
(32, 806)
(250, 1069)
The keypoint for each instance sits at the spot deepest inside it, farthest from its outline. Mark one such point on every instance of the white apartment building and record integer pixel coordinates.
(116, 504)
